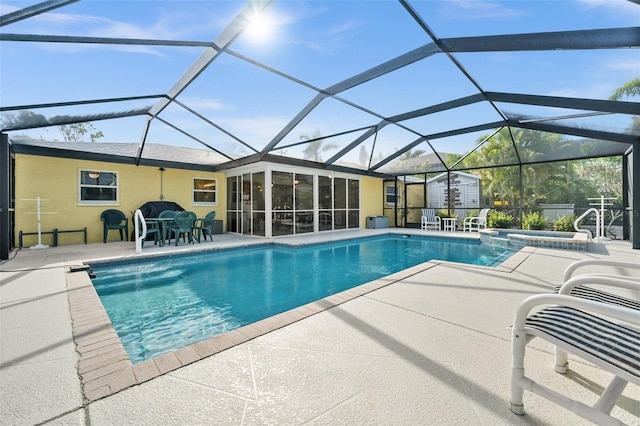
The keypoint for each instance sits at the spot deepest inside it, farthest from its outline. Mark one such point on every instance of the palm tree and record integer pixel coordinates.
(629, 89)
(316, 146)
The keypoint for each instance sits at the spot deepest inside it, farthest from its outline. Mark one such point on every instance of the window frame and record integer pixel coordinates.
(98, 202)
(393, 194)
(194, 190)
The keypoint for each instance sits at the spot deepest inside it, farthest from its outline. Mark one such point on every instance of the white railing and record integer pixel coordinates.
(140, 236)
(582, 216)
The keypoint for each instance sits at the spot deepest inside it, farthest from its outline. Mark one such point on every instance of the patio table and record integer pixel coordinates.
(449, 224)
(164, 225)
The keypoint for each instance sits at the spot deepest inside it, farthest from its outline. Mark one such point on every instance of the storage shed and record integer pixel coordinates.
(464, 192)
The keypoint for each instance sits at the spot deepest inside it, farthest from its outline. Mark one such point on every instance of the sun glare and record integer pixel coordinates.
(261, 28)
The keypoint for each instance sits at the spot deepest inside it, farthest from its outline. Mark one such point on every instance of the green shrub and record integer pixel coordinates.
(444, 213)
(534, 220)
(498, 219)
(564, 223)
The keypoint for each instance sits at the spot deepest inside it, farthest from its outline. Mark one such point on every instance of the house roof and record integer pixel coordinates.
(154, 154)
(446, 80)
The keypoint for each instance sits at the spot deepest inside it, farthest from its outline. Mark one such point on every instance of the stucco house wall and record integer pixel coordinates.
(371, 198)
(56, 181)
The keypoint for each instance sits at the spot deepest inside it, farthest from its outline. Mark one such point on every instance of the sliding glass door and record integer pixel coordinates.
(296, 202)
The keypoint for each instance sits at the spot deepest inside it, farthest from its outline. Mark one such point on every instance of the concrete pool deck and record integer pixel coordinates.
(427, 346)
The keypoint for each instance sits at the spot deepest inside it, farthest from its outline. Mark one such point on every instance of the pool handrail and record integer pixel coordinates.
(140, 236)
(582, 216)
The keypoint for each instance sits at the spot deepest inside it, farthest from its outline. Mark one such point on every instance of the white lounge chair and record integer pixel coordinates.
(476, 222)
(580, 322)
(430, 220)
(582, 286)
(577, 326)
(622, 268)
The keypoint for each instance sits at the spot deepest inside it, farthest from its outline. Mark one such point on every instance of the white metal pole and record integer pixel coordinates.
(602, 215)
(39, 222)
(39, 215)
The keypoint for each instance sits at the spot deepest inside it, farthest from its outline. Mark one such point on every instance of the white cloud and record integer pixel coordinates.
(205, 104)
(256, 131)
(6, 8)
(343, 27)
(624, 66)
(616, 6)
(476, 9)
(169, 24)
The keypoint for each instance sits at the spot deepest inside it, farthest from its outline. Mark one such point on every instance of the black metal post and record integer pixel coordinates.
(448, 191)
(405, 213)
(625, 198)
(5, 197)
(635, 196)
(521, 196)
(424, 192)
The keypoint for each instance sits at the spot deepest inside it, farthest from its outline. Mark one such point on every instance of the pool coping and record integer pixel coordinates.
(104, 367)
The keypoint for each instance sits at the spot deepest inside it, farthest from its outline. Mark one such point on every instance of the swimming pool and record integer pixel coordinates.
(162, 304)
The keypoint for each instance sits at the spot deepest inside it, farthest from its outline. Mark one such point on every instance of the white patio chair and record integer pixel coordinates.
(476, 222)
(430, 220)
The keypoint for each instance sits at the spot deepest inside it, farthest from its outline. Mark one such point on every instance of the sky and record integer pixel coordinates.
(320, 43)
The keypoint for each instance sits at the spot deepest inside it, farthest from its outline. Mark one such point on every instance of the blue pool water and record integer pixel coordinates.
(163, 304)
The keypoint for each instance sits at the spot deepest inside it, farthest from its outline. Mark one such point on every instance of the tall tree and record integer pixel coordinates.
(316, 146)
(75, 132)
(23, 120)
(629, 89)
(556, 182)
(30, 120)
(364, 156)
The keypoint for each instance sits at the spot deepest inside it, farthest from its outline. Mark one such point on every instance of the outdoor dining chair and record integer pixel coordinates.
(153, 229)
(184, 224)
(206, 226)
(165, 221)
(114, 219)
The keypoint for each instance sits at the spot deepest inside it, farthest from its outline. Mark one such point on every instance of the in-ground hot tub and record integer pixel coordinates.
(518, 238)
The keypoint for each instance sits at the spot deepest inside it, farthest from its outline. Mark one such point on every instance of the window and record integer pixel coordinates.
(391, 196)
(98, 187)
(205, 191)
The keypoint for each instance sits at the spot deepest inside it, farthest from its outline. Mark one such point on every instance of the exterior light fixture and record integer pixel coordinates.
(161, 191)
